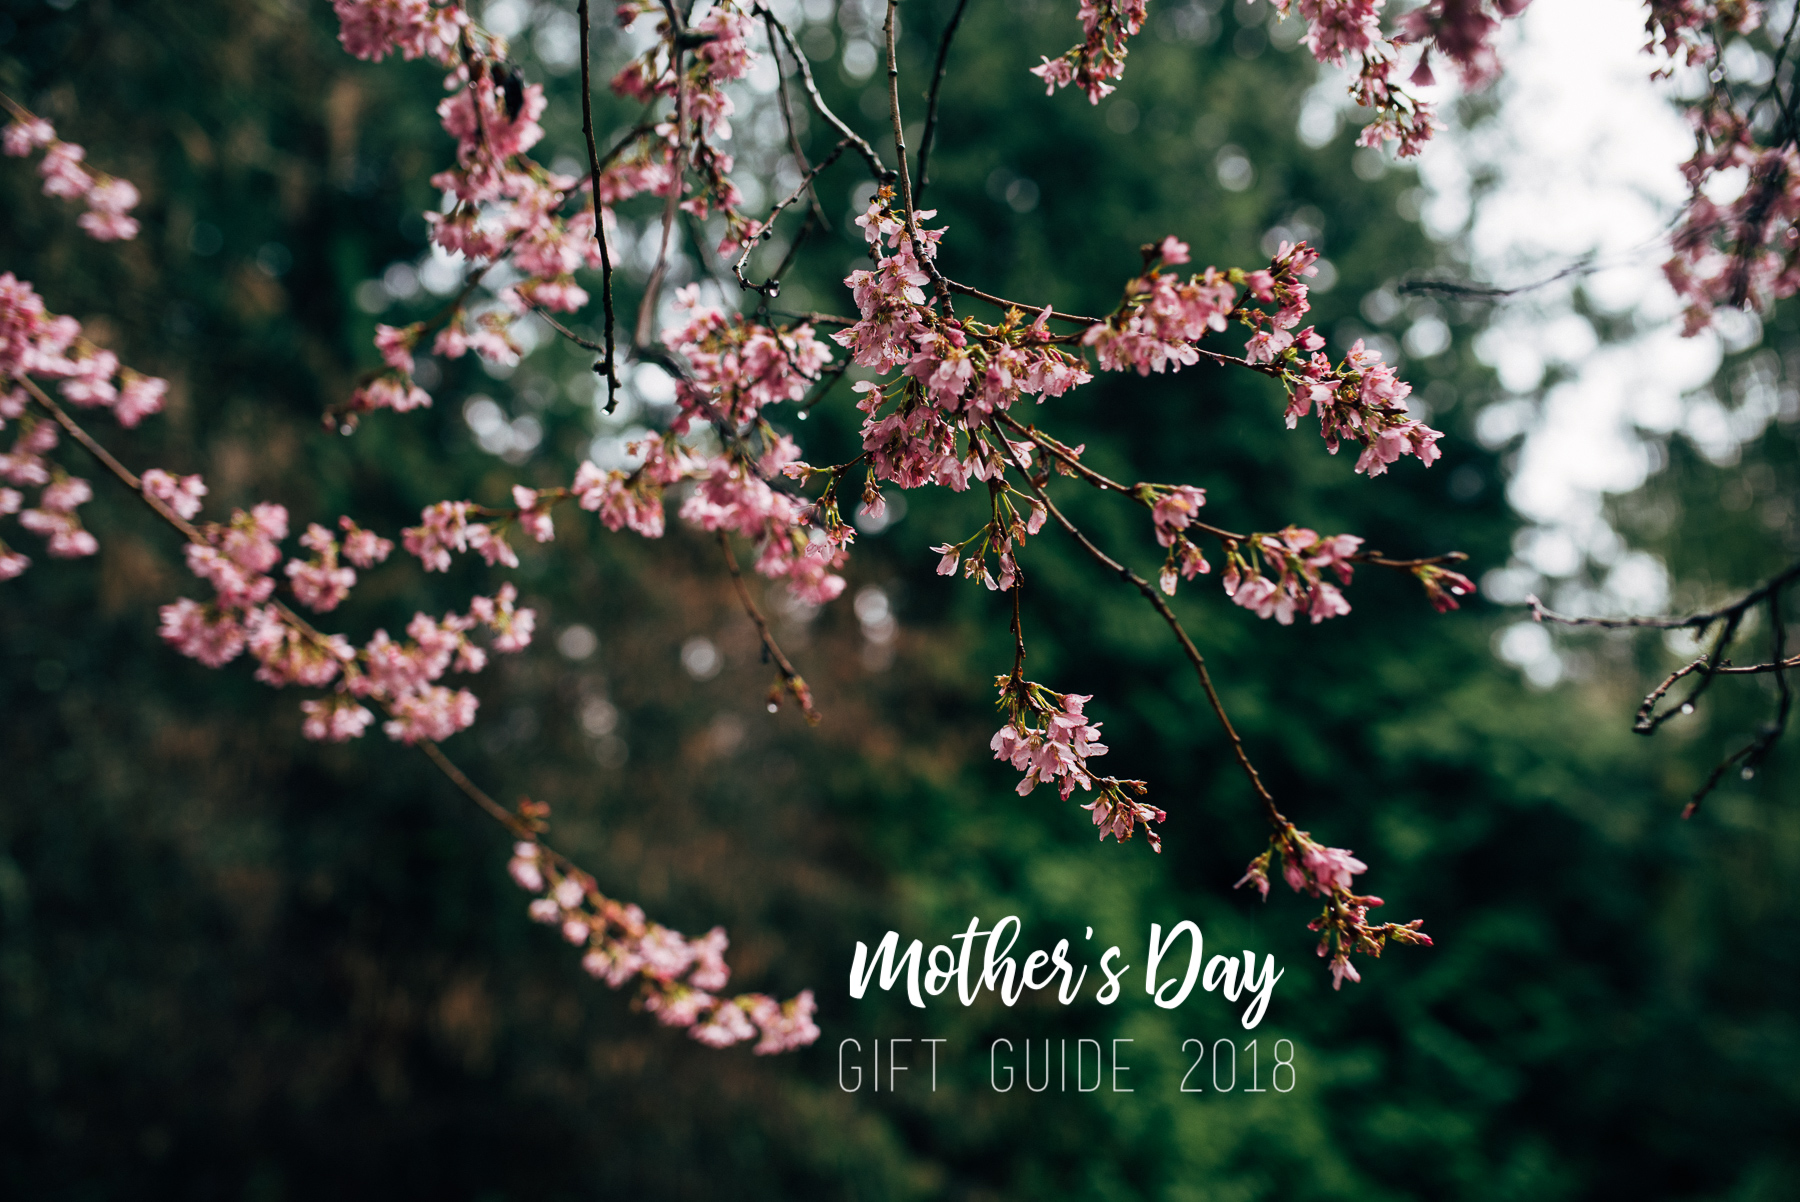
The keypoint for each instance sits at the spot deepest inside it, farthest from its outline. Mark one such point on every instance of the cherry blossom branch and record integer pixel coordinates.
(594, 167)
(677, 978)
(106, 459)
(1188, 649)
(937, 80)
(1072, 461)
(791, 681)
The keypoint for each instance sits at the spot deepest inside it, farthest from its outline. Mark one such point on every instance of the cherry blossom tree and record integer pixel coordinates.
(948, 398)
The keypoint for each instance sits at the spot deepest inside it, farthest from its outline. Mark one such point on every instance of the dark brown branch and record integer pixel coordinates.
(931, 107)
(1003, 303)
(1698, 621)
(608, 367)
(817, 319)
(1713, 664)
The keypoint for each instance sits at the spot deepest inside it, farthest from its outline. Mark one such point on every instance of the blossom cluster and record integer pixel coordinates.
(1328, 873)
(955, 374)
(1050, 739)
(35, 342)
(1745, 251)
(702, 118)
(108, 198)
(738, 367)
(1100, 55)
(1161, 317)
(1172, 511)
(1295, 560)
(238, 557)
(680, 980)
(500, 203)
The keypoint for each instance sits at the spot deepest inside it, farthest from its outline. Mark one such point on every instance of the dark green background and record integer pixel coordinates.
(237, 965)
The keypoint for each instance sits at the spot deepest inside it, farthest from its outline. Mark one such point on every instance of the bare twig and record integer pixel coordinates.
(1713, 664)
(878, 169)
(787, 120)
(1003, 303)
(791, 681)
(906, 193)
(608, 368)
(772, 287)
(937, 81)
(1698, 621)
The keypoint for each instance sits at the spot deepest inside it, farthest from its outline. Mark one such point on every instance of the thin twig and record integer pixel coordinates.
(791, 680)
(931, 108)
(938, 282)
(1698, 621)
(877, 168)
(609, 367)
(787, 119)
(772, 287)
(1003, 303)
(816, 319)
(1067, 456)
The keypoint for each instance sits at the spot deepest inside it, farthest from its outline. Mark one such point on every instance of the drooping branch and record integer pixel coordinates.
(1149, 593)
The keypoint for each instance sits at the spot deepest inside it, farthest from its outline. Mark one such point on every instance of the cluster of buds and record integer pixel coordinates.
(1328, 873)
(680, 980)
(1004, 533)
